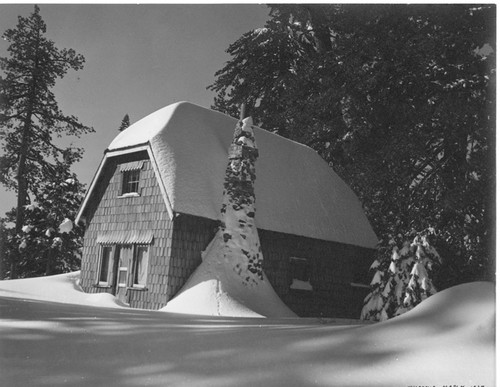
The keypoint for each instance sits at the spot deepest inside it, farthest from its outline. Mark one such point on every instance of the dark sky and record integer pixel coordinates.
(139, 58)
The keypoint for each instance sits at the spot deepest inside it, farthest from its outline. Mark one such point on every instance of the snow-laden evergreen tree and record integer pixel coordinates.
(398, 99)
(30, 115)
(231, 272)
(49, 241)
(125, 123)
(401, 279)
(238, 229)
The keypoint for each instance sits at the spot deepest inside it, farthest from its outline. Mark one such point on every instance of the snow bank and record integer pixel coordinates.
(215, 289)
(63, 288)
(448, 340)
(467, 306)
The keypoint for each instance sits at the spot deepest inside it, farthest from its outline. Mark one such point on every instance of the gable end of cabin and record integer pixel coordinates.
(128, 235)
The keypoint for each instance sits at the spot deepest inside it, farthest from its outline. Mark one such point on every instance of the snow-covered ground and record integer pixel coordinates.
(46, 339)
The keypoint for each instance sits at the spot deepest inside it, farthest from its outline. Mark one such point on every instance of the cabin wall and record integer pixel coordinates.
(336, 271)
(177, 245)
(334, 267)
(191, 235)
(109, 212)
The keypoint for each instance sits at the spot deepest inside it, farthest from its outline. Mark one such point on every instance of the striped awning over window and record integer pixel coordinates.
(131, 166)
(126, 237)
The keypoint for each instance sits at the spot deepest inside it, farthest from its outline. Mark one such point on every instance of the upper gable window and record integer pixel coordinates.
(131, 175)
(131, 182)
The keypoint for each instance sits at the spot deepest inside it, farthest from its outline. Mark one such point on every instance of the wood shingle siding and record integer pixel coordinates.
(159, 185)
(190, 237)
(333, 268)
(108, 212)
(175, 251)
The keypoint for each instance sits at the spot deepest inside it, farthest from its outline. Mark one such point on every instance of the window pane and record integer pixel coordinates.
(141, 265)
(122, 276)
(130, 181)
(106, 263)
(300, 269)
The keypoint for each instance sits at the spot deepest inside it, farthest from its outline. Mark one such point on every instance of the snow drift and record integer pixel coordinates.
(230, 280)
(63, 288)
(449, 339)
(215, 289)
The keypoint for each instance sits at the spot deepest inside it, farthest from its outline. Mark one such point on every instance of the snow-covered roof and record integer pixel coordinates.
(296, 191)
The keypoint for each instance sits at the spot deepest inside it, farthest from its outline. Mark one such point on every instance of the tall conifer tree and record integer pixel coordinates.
(399, 100)
(125, 123)
(29, 113)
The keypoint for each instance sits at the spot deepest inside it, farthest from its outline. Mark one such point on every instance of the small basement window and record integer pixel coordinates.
(361, 279)
(301, 274)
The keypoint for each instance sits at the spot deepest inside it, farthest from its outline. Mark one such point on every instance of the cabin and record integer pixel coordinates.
(154, 205)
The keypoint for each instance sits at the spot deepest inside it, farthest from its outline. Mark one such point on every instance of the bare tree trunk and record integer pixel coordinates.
(319, 24)
(22, 192)
(2, 249)
(48, 264)
(22, 184)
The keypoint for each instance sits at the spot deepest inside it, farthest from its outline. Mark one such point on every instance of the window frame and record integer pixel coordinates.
(119, 284)
(130, 182)
(130, 272)
(304, 277)
(135, 263)
(110, 265)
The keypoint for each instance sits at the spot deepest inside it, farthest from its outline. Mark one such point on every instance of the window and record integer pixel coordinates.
(124, 265)
(130, 181)
(140, 265)
(122, 276)
(361, 278)
(300, 268)
(301, 274)
(106, 269)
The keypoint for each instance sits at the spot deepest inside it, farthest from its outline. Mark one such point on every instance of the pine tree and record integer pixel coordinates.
(398, 99)
(401, 281)
(3, 238)
(238, 229)
(29, 113)
(49, 242)
(125, 123)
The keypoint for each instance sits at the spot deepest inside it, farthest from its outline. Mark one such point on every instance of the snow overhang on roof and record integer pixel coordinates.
(296, 191)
